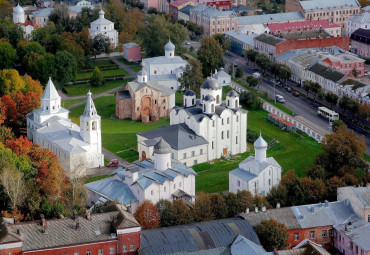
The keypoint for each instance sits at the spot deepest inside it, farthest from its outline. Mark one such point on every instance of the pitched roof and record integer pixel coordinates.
(135, 86)
(90, 110)
(361, 18)
(269, 39)
(270, 18)
(327, 72)
(208, 11)
(243, 174)
(178, 136)
(61, 232)
(195, 237)
(282, 215)
(113, 189)
(363, 194)
(242, 246)
(131, 45)
(123, 95)
(43, 12)
(300, 25)
(358, 231)
(178, 3)
(186, 9)
(361, 35)
(50, 93)
(319, 5)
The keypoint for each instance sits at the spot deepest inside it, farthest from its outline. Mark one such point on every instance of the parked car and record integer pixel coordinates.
(288, 89)
(235, 64)
(187, 43)
(279, 84)
(280, 99)
(113, 162)
(295, 93)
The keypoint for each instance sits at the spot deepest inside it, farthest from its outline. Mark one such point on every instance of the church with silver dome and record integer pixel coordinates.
(202, 129)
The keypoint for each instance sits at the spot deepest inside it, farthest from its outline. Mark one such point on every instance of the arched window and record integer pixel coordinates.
(87, 125)
(47, 107)
(228, 120)
(218, 99)
(212, 107)
(193, 101)
(228, 102)
(170, 54)
(228, 134)
(237, 118)
(222, 135)
(94, 125)
(236, 103)
(204, 107)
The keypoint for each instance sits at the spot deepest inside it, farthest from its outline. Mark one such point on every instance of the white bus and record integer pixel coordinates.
(326, 113)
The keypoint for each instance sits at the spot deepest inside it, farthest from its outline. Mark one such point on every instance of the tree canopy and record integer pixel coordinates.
(210, 55)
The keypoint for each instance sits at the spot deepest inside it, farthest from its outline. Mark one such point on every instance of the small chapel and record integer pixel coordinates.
(257, 174)
(78, 148)
(19, 18)
(104, 27)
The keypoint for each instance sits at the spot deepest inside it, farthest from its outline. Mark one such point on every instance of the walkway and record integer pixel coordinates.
(124, 66)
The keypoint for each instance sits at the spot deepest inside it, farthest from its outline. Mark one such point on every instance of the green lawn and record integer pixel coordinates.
(179, 98)
(124, 61)
(96, 178)
(81, 89)
(70, 102)
(105, 73)
(136, 68)
(118, 135)
(103, 63)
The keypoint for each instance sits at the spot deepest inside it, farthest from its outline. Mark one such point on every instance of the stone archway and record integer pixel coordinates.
(146, 105)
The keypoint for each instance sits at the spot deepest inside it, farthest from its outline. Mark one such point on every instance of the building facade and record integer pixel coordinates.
(257, 174)
(360, 42)
(358, 21)
(213, 21)
(19, 18)
(104, 27)
(359, 198)
(131, 52)
(77, 148)
(223, 78)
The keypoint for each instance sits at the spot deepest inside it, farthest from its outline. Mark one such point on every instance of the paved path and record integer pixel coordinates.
(124, 66)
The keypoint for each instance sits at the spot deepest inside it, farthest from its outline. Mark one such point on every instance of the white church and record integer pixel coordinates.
(167, 69)
(19, 18)
(257, 174)
(202, 129)
(104, 27)
(78, 149)
(160, 178)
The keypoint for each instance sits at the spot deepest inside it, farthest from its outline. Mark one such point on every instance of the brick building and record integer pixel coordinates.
(360, 42)
(335, 11)
(114, 232)
(131, 52)
(273, 45)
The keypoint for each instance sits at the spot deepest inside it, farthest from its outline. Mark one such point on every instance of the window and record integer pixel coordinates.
(184, 156)
(238, 183)
(174, 185)
(269, 182)
(222, 135)
(296, 236)
(213, 123)
(100, 252)
(228, 120)
(151, 192)
(125, 248)
(236, 140)
(312, 234)
(201, 152)
(212, 145)
(195, 162)
(228, 134)
(323, 234)
(237, 118)
(77, 253)
(193, 153)
(368, 218)
(331, 232)
(132, 247)
(222, 121)
(88, 252)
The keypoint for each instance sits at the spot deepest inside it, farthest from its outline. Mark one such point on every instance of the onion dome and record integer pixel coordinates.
(169, 46)
(162, 147)
(232, 93)
(18, 10)
(211, 83)
(189, 93)
(260, 143)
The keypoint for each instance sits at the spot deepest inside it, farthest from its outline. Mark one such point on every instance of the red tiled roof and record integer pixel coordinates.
(29, 22)
(294, 26)
(281, 120)
(180, 2)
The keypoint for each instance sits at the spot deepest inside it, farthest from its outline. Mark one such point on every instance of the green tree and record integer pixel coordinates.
(353, 106)
(307, 86)
(218, 206)
(232, 205)
(6, 9)
(331, 98)
(245, 200)
(345, 103)
(332, 186)
(274, 69)
(251, 55)
(250, 100)
(284, 72)
(239, 72)
(252, 82)
(8, 55)
(338, 124)
(316, 172)
(192, 77)
(210, 54)
(295, 192)
(66, 67)
(60, 17)
(96, 78)
(314, 189)
(101, 44)
(223, 41)
(11, 32)
(315, 89)
(203, 208)
(167, 213)
(272, 234)
(155, 35)
(277, 194)
(263, 62)
(182, 212)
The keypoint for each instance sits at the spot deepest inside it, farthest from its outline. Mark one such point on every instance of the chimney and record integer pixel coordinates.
(326, 203)
(247, 210)
(77, 227)
(44, 225)
(74, 214)
(256, 209)
(277, 205)
(15, 219)
(263, 209)
(88, 214)
(18, 231)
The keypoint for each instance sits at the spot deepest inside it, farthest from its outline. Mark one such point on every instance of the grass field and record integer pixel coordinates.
(124, 61)
(70, 102)
(105, 73)
(103, 63)
(81, 89)
(118, 136)
(136, 68)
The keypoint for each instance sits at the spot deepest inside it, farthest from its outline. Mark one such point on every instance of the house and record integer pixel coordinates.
(335, 11)
(269, 18)
(19, 18)
(355, 89)
(104, 27)
(41, 16)
(175, 6)
(257, 174)
(360, 42)
(359, 198)
(202, 129)
(115, 232)
(160, 178)
(223, 78)
(77, 148)
(131, 52)
(240, 42)
(357, 21)
(144, 100)
(167, 69)
(184, 13)
(212, 20)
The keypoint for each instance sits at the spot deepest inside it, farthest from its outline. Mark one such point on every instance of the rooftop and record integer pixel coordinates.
(308, 34)
(361, 35)
(327, 72)
(316, 5)
(300, 25)
(358, 231)
(269, 39)
(211, 12)
(242, 37)
(361, 18)
(135, 86)
(270, 18)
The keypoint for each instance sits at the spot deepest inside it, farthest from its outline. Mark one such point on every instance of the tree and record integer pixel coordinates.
(147, 215)
(10, 31)
(203, 208)
(284, 72)
(5, 9)
(245, 200)
(314, 190)
(252, 82)
(223, 41)
(218, 206)
(21, 146)
(210, 54)
(295, 193)
(345, 103)
(167, 213)
(232, 205)
(272, 234)
(182, 212)
(11, 82)
(156, 33)
(338, 124)
(364, 111)
(316, 172)
(315, 88)
(277, 194)
(274, 69)
(263, 62)
(331, 98)
(332, 186)
(101, 44)
(96, 79)
(307, 86)
(60, 17)
(78, 196)
(251, 55)
(66, 67)
(250, 100)
(8, 55)
(6, 133)
(238, 72)
(192, 77)
(353, 106)
(14, 186)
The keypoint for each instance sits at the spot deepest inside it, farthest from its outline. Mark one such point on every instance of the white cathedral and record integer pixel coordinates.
(104, 27)
(77, 149)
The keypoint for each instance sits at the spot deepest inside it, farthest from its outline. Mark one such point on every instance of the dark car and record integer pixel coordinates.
(295, 93)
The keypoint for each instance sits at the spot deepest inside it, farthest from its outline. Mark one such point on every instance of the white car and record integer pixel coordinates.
(187, 43)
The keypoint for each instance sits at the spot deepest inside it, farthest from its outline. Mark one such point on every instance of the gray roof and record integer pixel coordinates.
(212, 12)
(101, 21)
(256, 166)
(282, 215)
(162, 147)
(222, 73)
(333, 214)
(327, 72)
(165, 91)
(232, 93)
(269, 39)
(163, 60)
(361, 18)
(242, 246)
(123, 95)
(363, 193)
(189, 92)
(169, 46)
(241, 37)
(195, 237)
(113, 189)
(319, 5)
(243, 174)
(120, 171)
(358, 231)
(43, 12)
(178, 136)
(241, 8)
(131, 45)
(211, 83)
(260, 143)
(269, 18)
(61, 232)
(50, 92)
(186, 9)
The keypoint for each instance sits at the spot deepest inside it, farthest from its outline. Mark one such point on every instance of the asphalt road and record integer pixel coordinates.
(298, 105)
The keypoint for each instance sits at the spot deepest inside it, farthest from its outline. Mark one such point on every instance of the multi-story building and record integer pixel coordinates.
(175, 6)
(105, 27)
(358, 21)
(359, 198)
(335, 11)
(240, 42)
(115, 232)
(212, 20)
(360, 42)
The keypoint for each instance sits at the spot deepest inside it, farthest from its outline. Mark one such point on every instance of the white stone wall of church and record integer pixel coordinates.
(224, 81)
(189, 160)
(213, 93)
(41, 119)
(77, 164)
